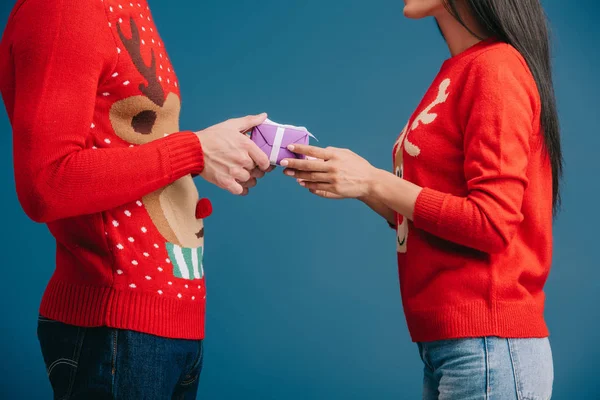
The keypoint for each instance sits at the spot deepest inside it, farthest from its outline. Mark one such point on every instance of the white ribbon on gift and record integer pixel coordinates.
(279, 137)
(276, 145)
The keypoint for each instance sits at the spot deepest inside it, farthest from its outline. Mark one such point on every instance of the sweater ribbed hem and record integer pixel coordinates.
(89, 306)
(508, 320)
(184, 153)
(428, 208)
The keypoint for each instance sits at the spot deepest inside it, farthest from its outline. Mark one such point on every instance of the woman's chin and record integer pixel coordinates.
(418, 10)
(412, 13)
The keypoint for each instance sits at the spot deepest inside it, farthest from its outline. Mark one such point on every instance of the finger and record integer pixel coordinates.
(260, 159)
(249, 183)
(327, 187)
(248, 122)
(240, 174)
(233, 187)
(306, 165)
(312, 151)
(309, 176)
(245, 192)
(271, 168)
(257, 173)
(248, 163)
(325, 194)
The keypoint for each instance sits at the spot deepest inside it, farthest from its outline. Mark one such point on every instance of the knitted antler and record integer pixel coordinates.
(153, 90)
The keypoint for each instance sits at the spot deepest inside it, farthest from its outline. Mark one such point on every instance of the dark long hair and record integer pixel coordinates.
(523, 25)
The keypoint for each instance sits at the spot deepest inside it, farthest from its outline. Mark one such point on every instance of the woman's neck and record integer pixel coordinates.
(457, 37)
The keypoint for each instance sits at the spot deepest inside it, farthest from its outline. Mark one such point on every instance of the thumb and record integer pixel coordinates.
(250, 121)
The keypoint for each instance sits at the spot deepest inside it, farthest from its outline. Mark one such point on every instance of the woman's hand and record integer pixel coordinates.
(339, 173)
(335, 173)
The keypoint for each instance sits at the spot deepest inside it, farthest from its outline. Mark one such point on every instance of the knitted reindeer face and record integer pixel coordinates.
(401, 223)
(140, 119)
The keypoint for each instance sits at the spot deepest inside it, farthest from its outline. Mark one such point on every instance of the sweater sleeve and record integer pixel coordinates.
(60, 51)
(499, 110)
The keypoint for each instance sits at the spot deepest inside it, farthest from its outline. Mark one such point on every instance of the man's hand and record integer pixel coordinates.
(231, 160)
(255, 175)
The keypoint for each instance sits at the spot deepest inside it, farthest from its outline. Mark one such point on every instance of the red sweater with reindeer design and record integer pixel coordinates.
(475, 258)
(94, 104)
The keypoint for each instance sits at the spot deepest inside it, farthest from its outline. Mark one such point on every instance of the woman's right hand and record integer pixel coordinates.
(325, 194)
(380, 208)
(343, 171)
(333, 170)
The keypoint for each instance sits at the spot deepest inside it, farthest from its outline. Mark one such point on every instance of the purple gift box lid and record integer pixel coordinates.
(273, 138)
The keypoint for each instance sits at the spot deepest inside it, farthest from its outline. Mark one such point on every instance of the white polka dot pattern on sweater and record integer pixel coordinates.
(141, 258)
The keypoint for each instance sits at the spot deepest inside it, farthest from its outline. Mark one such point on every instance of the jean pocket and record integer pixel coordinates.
(61, 346)
(196, 369)
(533, 368)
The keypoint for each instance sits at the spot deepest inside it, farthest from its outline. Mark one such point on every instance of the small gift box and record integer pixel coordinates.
(273, 139)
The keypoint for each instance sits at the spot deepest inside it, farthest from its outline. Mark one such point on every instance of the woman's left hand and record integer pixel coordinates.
(335, 173)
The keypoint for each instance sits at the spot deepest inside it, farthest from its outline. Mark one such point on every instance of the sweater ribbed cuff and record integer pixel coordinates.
(185, 154)
(428, 208)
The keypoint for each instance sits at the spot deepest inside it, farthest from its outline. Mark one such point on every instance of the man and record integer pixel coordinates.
(94, 104)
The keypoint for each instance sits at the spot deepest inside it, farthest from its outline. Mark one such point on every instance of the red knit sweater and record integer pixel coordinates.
(94, 104)
(475, 259)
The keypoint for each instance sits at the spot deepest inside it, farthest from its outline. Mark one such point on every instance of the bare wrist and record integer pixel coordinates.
(374, 183)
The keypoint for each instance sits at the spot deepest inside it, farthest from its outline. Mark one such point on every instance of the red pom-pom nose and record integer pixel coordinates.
(203, 208)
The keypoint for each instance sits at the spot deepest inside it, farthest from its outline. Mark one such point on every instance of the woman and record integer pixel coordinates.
(476, 183)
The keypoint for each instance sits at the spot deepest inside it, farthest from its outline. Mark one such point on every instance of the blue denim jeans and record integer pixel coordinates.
(487, 368)
(106, 363)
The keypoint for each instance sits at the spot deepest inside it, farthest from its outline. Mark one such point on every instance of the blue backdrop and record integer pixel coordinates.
(303, 296)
